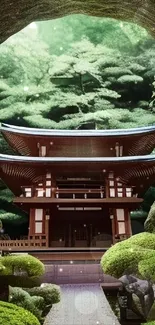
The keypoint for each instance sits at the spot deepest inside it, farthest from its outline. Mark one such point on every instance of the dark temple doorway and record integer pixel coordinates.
(80, 227)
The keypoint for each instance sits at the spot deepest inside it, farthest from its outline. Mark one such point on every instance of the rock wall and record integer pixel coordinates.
(17, 14)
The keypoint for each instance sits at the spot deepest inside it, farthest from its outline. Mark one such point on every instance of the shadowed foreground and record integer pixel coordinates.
(81, 305)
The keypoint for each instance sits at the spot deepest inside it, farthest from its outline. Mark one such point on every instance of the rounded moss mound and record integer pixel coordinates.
(21, 263)
(124, 257)
(12, 315)
(147, 270)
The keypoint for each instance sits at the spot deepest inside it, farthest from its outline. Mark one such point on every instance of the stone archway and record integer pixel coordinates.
(17, 14)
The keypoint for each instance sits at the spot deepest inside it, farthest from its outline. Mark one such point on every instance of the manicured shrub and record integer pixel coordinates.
(124, 257)
(147, 270)
(49, 292)
(12, 264)
(13, 315)
(38, 301)
(22, 298)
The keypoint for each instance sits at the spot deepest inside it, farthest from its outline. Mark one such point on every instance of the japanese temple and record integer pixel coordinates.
(78, 187)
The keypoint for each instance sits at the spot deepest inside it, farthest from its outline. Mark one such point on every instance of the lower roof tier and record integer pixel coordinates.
(17, 171)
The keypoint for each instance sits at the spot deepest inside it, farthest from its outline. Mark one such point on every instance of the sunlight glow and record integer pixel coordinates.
(33, 26)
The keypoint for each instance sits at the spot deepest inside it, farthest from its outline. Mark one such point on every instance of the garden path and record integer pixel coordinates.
(81, 304)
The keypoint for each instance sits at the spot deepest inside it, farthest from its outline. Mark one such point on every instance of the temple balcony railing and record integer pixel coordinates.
(58, 193)
(77, 193)
(34, 242)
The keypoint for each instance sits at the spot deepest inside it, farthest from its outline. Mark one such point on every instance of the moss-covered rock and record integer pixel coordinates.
(125, 257)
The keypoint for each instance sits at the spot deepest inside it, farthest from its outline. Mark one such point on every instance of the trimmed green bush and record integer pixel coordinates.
(147, 270)
(124, 257)
(49, 292)
(38, 301)
(22, 298)
(12, 264)
(13, 315)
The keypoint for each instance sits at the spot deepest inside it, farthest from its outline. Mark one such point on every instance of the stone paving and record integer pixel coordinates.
(81, 304)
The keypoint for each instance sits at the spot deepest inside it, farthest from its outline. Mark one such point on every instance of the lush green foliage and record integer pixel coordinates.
(147, 270)
(21, 263)
(38, 300)
(150, 221)
(130, 256)
(13, 315)
(114, 34)
(93, 82)
(49, 292)
(21, 298)
(142, 213)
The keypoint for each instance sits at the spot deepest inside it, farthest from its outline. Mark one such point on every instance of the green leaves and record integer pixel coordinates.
(130, 256)
(13, 315)
(22, 263)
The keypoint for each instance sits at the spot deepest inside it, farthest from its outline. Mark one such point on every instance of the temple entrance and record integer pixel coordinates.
(80, 228)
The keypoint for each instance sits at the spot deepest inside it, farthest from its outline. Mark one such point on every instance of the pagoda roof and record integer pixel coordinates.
(78, 133)
(17, 171)
(82, 143)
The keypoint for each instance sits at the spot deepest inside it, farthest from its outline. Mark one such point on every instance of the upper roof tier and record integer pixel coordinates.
(80, 143)
(17, 171)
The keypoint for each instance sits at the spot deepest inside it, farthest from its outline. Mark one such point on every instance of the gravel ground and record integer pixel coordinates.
(81, 305)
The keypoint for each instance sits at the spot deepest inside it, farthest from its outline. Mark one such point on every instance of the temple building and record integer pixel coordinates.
(78, 187)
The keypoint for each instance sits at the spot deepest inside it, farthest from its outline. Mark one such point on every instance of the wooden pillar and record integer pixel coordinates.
(70, 236)
(121, 224)
(128, 219)
(47, 219)
(39, 224)
(112, 225)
